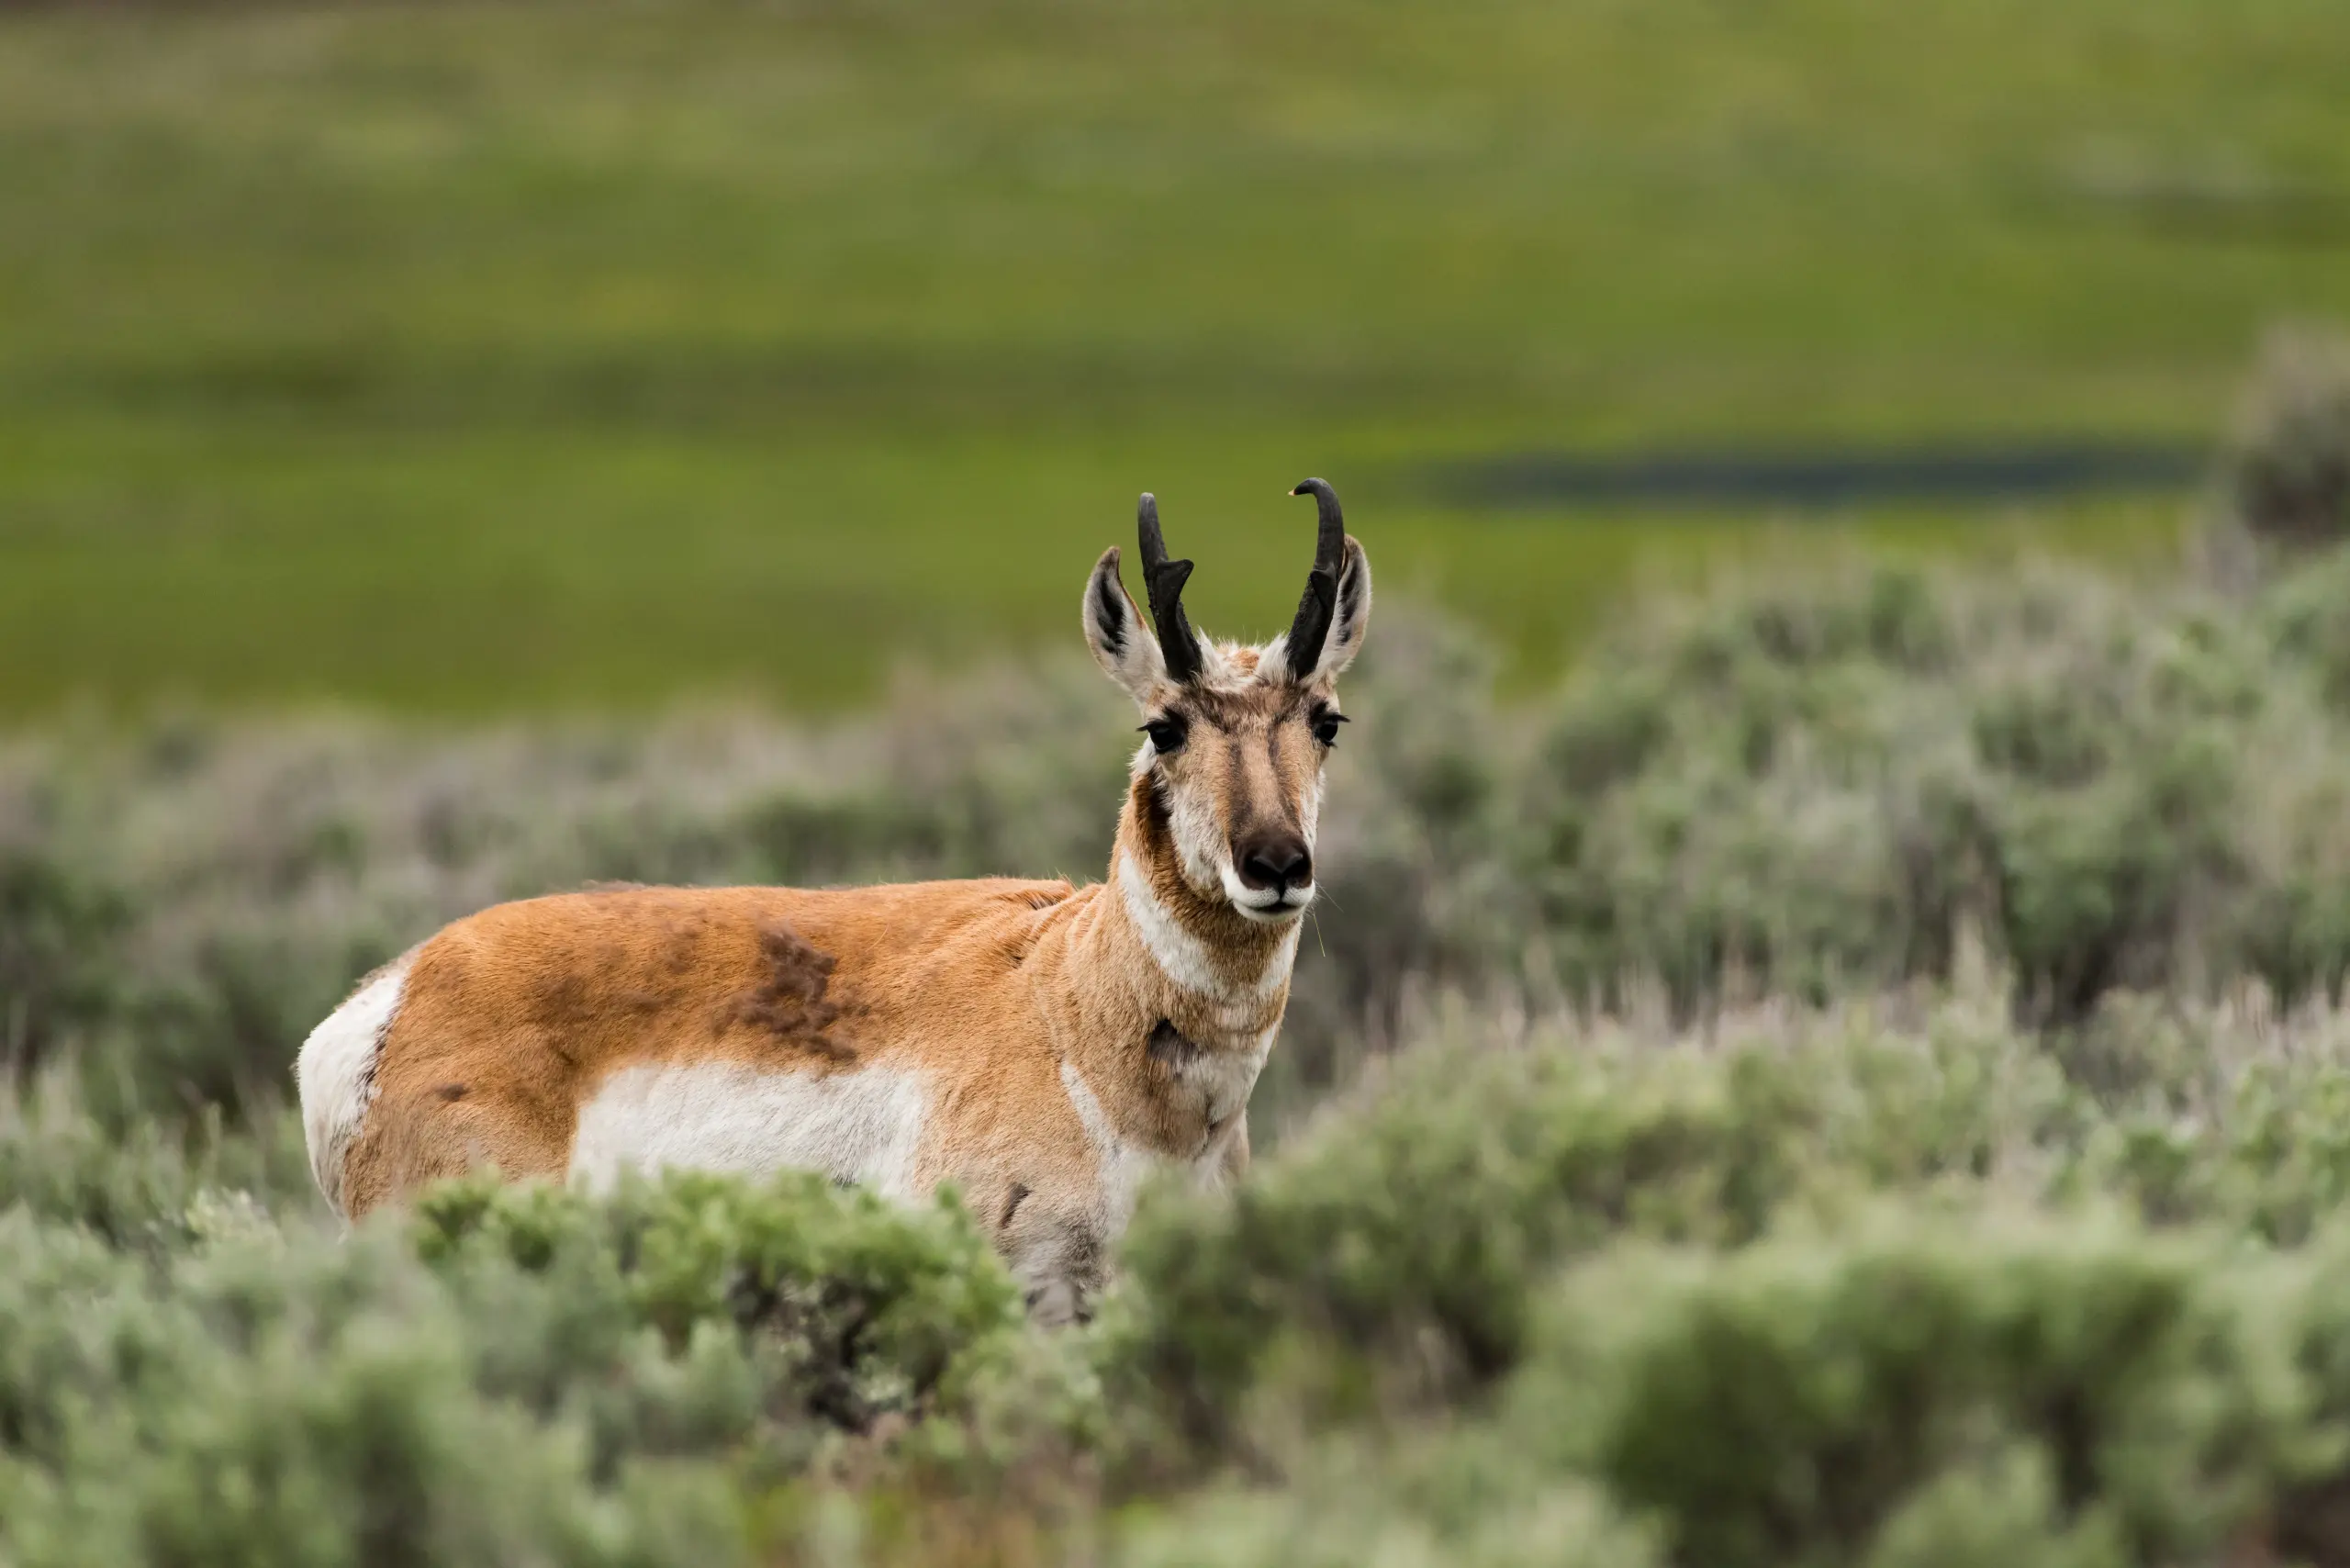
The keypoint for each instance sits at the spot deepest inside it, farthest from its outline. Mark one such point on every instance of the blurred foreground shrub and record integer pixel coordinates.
(1832, 1290)
(862, 1306)
(514, 1375)
(1393, 1258)
(1889, 1283)
(2090, 1393)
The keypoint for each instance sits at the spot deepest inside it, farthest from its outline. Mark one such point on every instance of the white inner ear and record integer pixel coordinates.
(1351, 619)
(1122, 644)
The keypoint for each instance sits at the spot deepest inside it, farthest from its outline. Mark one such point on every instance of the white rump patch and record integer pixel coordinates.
(336, 1074)
(862, 1127)
(1187, 960)
(1121, 1166)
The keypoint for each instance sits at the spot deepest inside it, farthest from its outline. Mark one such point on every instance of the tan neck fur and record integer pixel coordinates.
(1145, 949)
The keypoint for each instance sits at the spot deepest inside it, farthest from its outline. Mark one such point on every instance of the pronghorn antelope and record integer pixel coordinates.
(1040, 1045)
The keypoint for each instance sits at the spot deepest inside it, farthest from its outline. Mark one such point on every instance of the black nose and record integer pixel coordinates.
(1275, 862)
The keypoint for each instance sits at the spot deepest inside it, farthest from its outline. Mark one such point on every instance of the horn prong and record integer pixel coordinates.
(1163, 580)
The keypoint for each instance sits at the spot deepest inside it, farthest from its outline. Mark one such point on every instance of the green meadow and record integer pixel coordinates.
(463, 358)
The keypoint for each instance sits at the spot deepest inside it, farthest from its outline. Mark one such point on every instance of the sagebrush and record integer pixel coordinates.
(1858, 1075)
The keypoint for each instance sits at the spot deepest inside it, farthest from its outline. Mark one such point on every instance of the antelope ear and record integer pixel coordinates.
(1122, 644)
(1351, 618)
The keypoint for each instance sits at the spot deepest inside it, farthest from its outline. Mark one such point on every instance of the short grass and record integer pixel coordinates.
(460, 356)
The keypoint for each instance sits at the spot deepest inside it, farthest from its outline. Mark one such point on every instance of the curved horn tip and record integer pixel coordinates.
(1325, 497)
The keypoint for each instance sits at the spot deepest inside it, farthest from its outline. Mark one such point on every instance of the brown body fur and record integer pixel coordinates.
(512, 1017)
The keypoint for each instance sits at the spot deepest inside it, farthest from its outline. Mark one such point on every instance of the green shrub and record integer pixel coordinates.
(2288, 462)
(1469, 1500)
(515, 1376)
(1818, 789)
(58, 926)
(145, 1185)
(1992, 1512)
(1435, 1327)
(1823, 1400)
(1394, 1254)
(2305, 617)
(288, 1401)
(860, 1307)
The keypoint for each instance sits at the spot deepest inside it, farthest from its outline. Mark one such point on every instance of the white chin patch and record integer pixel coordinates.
(1269, 908)
(1184, 957)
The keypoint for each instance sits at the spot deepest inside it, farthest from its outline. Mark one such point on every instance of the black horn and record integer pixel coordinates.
(1319, 604)
(1163, 579)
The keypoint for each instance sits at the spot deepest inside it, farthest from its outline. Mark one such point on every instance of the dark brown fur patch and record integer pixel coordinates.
(450, 1091)
(1151, 814)
(1168, 1046)
(563, 1002)
(1012, 1202)
(789, 1002)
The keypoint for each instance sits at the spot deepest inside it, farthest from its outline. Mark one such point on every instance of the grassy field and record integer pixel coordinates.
(467, 357)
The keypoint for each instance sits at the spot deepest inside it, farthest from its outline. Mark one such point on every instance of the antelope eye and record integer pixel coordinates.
(1326, 727)
(1166, 735)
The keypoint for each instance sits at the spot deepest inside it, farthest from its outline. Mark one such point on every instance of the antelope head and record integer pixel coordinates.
(1235, 735)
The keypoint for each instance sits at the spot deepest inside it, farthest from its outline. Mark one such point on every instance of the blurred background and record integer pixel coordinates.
(461, 359)
(1834, 475)
(1823, 1039)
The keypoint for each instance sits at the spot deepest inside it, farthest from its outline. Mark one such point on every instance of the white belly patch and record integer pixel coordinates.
(862, 1127)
